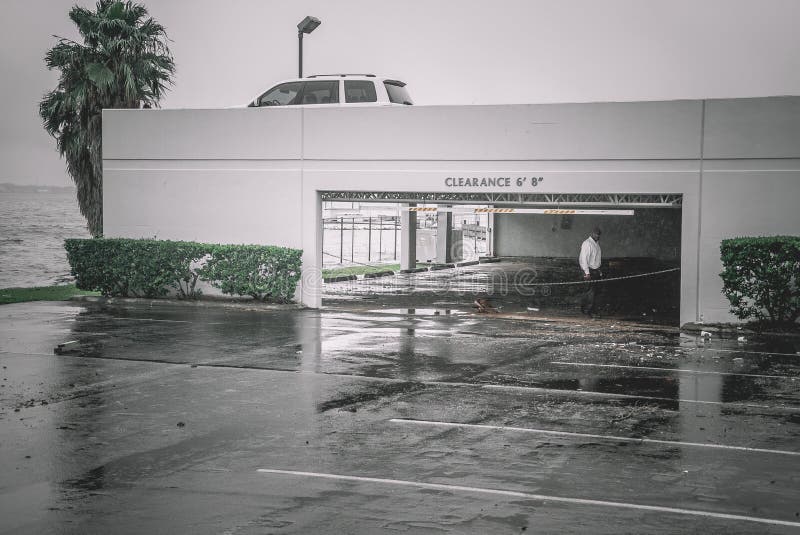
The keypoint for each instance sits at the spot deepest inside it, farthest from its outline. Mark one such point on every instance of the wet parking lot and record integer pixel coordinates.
(364, 418)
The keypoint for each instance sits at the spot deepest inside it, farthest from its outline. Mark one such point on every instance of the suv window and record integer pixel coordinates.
(280, 95)
(397, 92)
(321, 92)
(359, 91)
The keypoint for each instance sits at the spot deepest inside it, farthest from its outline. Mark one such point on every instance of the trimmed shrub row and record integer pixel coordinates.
(124, 267)
(761, 278)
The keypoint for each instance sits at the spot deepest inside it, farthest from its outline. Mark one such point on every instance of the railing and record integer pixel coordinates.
(376, 239)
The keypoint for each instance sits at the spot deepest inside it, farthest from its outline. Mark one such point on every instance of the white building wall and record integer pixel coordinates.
(510, 133)
(742, 202)
(253, 175)
(750, 184)
(202, 135)
(218, 176)
(752, 128)
(203, 203)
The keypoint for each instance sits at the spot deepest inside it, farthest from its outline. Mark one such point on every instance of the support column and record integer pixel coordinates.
(408, 238)
(444, 239)
(309, 290)
(490, 241)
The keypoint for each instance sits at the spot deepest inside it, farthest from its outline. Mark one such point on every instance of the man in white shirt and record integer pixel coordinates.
(590, 259)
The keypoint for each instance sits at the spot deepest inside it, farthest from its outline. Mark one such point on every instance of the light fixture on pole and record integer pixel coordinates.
(307, 25)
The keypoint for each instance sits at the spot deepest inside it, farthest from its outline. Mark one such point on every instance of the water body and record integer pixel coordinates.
(33, 226)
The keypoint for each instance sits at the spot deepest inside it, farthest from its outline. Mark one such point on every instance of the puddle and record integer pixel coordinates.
(420, 311)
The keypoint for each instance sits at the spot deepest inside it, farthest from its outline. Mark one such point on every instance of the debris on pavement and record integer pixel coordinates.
(484, 306)
(67, 347)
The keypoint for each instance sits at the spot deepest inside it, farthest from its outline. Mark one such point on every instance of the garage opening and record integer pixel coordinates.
(517, 251)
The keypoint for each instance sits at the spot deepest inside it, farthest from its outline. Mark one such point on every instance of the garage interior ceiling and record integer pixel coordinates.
(637, 200)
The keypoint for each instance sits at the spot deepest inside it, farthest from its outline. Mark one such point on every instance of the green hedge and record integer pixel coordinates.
(150, 268)
(264, 273)
(761, 278)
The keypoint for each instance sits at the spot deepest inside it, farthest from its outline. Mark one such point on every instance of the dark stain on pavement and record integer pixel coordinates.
(92, 480)
(369, 393)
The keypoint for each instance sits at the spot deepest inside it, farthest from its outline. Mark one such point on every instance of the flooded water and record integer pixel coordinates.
(419, 311)
(33, 226)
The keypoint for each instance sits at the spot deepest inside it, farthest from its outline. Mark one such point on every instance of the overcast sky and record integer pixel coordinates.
(448, 51)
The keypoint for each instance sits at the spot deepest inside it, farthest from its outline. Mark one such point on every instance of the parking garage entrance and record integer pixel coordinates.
(517, 252)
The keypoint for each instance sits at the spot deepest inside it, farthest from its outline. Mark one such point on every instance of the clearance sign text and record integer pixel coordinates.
(493, 182)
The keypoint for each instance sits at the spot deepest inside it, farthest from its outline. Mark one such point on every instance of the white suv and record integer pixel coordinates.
(328, 90)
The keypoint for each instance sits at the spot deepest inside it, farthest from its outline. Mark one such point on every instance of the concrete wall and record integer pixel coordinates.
(254, 175)
(231, 134)
(202, 204)
(750, 184)
(225, 176)
(742, 202)
(752, 128)
(650, 232)
(605, 131)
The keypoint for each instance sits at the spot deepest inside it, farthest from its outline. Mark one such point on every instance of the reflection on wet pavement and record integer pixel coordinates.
(172, 410)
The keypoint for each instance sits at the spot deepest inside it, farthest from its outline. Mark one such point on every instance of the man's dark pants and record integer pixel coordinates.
(589, 299)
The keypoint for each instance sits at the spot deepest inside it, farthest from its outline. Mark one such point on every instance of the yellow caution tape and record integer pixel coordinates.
(494, 210)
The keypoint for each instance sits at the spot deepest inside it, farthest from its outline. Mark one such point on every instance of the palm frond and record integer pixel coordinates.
(124, 60)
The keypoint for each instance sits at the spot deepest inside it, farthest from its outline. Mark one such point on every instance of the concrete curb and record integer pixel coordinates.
(439, 267)
(340, 278)
(712, 327)
(733, 330)
(414, 270)
(378, 274)
(488, 260)
(470, 263)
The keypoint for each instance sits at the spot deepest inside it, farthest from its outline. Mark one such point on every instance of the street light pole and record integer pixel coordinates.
(307, 25)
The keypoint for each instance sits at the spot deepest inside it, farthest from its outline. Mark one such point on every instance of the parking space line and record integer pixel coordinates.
(532, 389)
(700, 348)
(588, 435)
(529, 496)
(633, 396)
(677, 370)
(152, 319)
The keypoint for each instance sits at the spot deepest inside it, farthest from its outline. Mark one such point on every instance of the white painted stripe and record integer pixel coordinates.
(529, 496)
(632, 396)
(588, 435)
(676, 370)
(700, 348)
(576, 211)
(539, 390)
(151, 319)
(531, 389)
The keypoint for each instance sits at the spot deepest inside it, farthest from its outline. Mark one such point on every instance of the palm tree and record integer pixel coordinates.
(124, 62)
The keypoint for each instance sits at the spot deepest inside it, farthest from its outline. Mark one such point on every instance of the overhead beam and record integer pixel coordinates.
(551, 200)
(546, 211)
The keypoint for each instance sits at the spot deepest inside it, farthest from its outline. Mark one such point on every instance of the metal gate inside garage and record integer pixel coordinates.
(518, 252)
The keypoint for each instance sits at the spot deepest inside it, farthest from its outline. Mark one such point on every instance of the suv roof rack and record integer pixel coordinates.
(341, 75)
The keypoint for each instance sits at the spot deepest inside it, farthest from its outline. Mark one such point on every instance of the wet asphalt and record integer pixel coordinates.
(365, 417)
